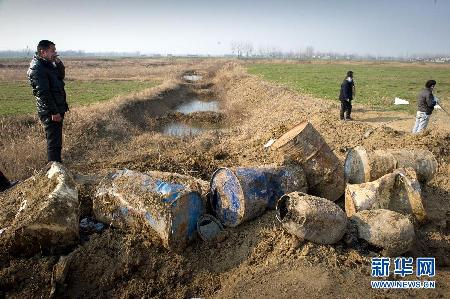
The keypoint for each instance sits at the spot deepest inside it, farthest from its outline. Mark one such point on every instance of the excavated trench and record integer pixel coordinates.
(189, 109)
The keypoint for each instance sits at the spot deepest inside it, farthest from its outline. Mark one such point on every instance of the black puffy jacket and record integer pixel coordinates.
(425, 101)
(48, 86)
(346, 90)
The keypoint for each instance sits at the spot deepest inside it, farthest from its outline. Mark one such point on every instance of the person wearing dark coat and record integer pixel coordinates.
(425, 106)
(346, 96)
(46, 75)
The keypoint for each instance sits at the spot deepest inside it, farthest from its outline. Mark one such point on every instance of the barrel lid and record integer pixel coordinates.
(356, 166)
(227, 197)
(286, 137)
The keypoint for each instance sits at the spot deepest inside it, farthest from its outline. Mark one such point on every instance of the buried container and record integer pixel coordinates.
(241, 194)
(170, 204)
(389, 230)
(46, 217)
(311, 218)
(363, 166)
(398, 191)
(322, 167)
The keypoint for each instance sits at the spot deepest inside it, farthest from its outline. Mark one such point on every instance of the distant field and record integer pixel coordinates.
(376, 84)
(16, 96)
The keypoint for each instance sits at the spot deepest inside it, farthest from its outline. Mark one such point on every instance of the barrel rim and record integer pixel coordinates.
(297, 129)
(208, 217)
(360, 153)
(241, 191)
(286, 197)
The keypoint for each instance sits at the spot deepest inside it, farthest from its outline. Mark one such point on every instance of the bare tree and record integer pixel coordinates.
(247, 48)
(240, 48)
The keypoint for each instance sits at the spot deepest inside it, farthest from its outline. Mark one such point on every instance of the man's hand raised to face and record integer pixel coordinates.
(56, 117)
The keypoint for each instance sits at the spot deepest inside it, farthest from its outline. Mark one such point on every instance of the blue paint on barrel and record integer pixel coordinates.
(171, 190)
(185, 221)
(178, 224)
(150, 219)
(276, 182)
(246, 193)
(231, 189)
(124, 211)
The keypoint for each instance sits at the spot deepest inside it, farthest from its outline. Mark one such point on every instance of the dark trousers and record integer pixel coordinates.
(53, 134)
(346, 109)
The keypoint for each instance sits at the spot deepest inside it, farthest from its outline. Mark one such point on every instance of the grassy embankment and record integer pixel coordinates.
(377, 84)
(16, 96)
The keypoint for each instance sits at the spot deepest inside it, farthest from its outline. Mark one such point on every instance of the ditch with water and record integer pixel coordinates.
(192, 108)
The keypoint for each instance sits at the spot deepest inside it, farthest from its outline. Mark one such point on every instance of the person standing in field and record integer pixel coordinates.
(46, 75)
(425, 106)
(346, 96)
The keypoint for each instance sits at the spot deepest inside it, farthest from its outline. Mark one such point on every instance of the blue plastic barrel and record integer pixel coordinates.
(242, 194)
(161, 200)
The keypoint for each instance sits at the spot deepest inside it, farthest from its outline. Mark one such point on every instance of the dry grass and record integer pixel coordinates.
(103, 69)
(91, 133)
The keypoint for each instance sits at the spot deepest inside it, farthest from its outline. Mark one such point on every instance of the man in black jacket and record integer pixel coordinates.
(346, 96)
(46, 75)
(425, 106)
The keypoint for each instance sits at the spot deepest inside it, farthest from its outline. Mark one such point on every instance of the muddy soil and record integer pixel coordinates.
(258, 259)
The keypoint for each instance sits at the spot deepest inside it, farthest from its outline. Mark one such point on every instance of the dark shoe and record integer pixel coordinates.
(9, 186)
(13, 183)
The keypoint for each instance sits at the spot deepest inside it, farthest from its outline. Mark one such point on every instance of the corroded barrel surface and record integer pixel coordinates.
(398, 191)
(364, 166)
(322, 167)
(311, 218)
(241, 194)
(169, 203)
(386, 229)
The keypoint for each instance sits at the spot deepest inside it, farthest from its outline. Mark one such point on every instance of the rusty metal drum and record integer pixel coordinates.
(241, 194)
(169, 204)
(364, 166)
(324, 171)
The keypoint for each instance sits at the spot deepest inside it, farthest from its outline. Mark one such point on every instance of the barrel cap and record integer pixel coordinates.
(356, 166)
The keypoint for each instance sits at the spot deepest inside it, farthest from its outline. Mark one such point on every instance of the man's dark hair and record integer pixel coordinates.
(430, 83)
(350, 74)
(44, 45)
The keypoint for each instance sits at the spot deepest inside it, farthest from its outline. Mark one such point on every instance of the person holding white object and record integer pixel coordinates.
(425, 105)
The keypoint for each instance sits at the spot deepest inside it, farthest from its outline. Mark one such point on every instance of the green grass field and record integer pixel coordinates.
(376, 84)
(16, 96)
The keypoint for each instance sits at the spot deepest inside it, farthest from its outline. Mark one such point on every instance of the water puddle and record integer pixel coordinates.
(195, 124)
(193, 78)
(198, 106)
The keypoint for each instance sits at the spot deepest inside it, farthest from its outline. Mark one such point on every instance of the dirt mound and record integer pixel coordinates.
(31, 190)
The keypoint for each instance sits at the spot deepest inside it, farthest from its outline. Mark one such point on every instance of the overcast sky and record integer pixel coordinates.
(378, 27)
